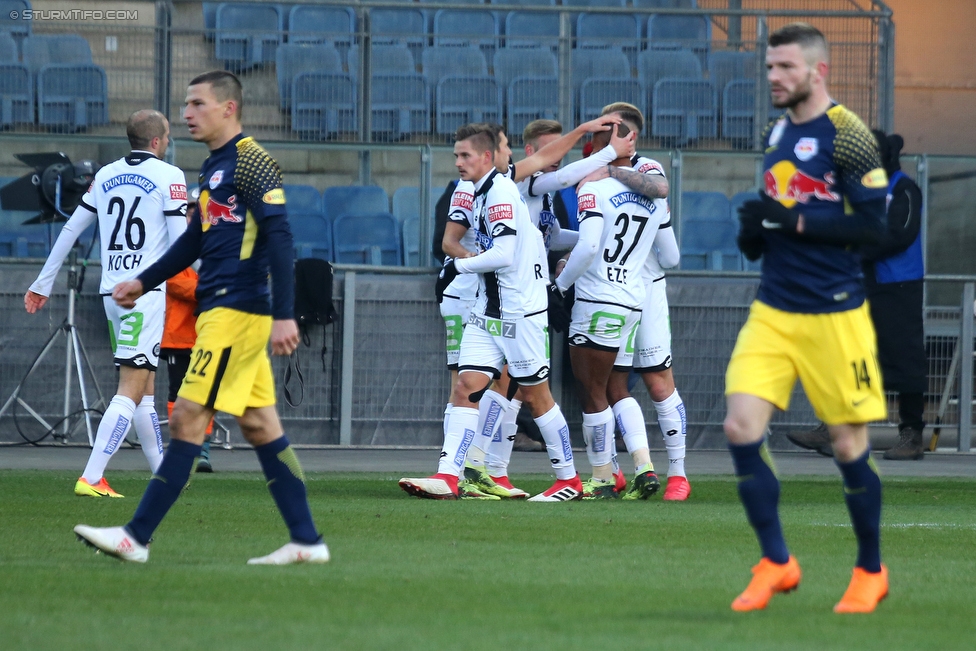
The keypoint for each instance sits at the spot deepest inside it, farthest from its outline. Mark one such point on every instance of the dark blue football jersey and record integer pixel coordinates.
(824, 167)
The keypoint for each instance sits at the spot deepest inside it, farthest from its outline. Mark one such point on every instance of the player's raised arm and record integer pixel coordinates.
(575, 172)
(556, 150)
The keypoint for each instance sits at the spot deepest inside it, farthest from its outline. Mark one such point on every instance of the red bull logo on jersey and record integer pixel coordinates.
(790, 186)
(214, 211)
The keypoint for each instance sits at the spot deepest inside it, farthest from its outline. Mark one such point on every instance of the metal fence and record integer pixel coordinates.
(380, 379)
(425, 68)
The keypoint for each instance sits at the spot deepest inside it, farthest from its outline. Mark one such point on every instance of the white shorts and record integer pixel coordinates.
(136, 332)
(653, 343)
(605, 326)
(522, 343)
(455, 312)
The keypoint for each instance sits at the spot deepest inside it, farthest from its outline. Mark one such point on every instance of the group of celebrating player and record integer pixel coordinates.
(500, 229)
(824, 194)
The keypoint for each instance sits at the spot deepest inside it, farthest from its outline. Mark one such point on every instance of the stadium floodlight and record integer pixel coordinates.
(54, 189)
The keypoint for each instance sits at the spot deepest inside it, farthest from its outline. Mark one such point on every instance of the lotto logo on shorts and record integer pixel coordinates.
(462, 200)
(177, 191)
(587, 202)
(501, 211)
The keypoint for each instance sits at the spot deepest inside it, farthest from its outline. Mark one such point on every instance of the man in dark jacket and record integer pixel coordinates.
(893, 271)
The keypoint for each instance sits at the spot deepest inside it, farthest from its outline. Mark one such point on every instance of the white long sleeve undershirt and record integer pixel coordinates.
(81, 219)
(586, 249)
(501, 254)
(572, 173)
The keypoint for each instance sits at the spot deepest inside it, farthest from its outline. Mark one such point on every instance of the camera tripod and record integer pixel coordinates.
(76, 363)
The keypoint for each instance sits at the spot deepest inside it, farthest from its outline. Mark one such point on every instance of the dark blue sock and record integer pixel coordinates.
(163, 489)
(759, 492)
(286, 481)
(862, 492)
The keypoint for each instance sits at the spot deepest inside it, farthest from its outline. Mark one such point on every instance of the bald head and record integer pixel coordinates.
(144, 127)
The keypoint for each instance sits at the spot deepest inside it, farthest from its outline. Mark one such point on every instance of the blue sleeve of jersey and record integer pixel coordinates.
(281, 262)
(184, 252)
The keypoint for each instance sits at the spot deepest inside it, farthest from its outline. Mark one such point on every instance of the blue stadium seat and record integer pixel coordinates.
(596, 93)
(42, 50)
(684, 110)
(406, 203)
(16, 27)
(323, 104)
(609, 63)
(247, 35)
(739, 110)
(439, 62)
(354, 200)
(400, 105)
(531, 98)
(510, 63)
(595, 3)
(16, 95)
(709, 244)
(526, 3)
(401, 26)
(8, 47)
(294, 59)
(302, 200)
(210, 19)
(389, 59)
(525, 29)
(738, 199)
(321, 24)
(671, 31)
(603, 30)
(411, 242)
(312, 234)
(653, 65)
(72, 97)
(705, 205)
(462, 99)
(456, 27)
(665, 4)
(725, 66)
(367, 239)
(460, 2)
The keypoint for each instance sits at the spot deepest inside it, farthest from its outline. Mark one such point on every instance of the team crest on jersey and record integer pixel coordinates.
(500, 211)
(462, 200)
(806, 148)
(177, 192)
(587, 202)
(217, 177)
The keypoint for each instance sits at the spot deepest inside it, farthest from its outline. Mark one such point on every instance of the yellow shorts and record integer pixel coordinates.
(834, 355)
(229, 366)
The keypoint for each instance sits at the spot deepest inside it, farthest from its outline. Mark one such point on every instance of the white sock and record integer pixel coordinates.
(111, 432)
(447, 414)
(598, 434)
(555, 432)
(146, 423)
(674, 425)
(630, 420)
(491, 411)
(461, 426)
(499, 452)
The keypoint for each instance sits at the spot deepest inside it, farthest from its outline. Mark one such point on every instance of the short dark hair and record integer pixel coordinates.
(627, 112)
(143, 126)
(536, 128)
(805, 35)
(226, 86)
(483, 136)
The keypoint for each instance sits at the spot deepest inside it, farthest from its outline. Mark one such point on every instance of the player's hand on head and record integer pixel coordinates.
(33, 301)
(446, 276)
(284, 336)
(624, 145)
(125, 293)
(602, 123)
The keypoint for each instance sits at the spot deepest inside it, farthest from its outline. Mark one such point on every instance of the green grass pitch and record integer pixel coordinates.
(415, 574)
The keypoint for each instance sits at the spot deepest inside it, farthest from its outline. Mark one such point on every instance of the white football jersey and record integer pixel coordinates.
(133, 198)
(630, 223)
(465, 285)
(520, 288)
(652, 268)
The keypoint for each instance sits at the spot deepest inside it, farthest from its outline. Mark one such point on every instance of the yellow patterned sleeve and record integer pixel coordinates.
(856, 156)
(258, 180)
